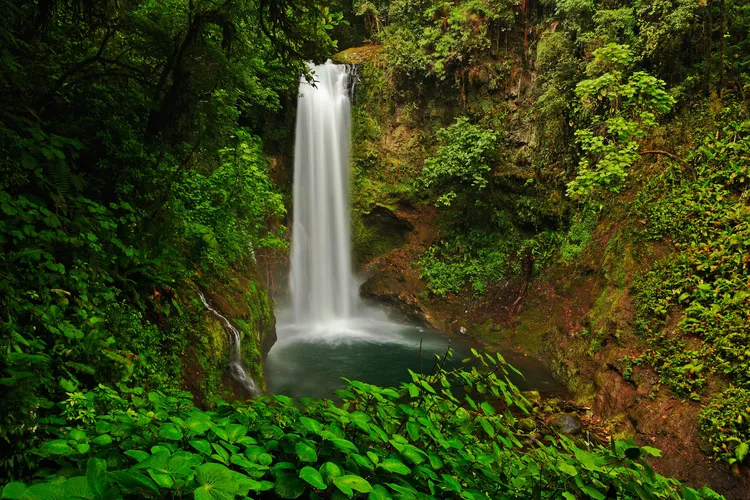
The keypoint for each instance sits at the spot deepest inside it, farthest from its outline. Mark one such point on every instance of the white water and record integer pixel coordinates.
(236, 367)
(321, 281)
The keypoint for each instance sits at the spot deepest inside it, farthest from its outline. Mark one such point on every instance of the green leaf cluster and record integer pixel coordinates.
(447, 434)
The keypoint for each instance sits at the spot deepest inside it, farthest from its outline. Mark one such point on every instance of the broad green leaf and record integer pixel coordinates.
(102, 440)
(487, 408)
(487, 426)
(216, 483)
(593, 492)
(77, 435)
(394, 465)
(46, 491)
(79, 488)
(345, 445)
(654, 452)
(373, 457)
(14, 490)
(197, 426)
(235, 431)
(741, 451)
(313, 477)
(379, 493)
(170, 432)
(451, 483)
(288, 486)
(96, 470)
(406, 493)
(362, 461)
(329, 471)
(350, 482)
(306, 453)
(201, 445)
(567, 468)
(133, 481)
(138, 455)
(162, 479)
(312, 425)
(56, 447)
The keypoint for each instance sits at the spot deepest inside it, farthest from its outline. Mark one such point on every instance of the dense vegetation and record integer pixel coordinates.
(134, 172)
(536, 121)
(418, 441)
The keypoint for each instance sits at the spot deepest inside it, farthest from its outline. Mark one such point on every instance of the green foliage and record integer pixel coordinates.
(418, 441)
(578, 235)
(618, 108)
(705, 282)
(460, 168)
(227, 208)
(476, 259)
(124, 168)
(432, 37)
(725, 423)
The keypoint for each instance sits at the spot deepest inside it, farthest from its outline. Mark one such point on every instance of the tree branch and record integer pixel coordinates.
(664, 153)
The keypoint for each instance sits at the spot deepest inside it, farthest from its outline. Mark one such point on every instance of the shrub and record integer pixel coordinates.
(725, 423)
(418, 441)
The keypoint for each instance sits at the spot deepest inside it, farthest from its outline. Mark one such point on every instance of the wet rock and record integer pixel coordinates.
(614, 394)
(526, 424)
(533, 396)
(567, 423)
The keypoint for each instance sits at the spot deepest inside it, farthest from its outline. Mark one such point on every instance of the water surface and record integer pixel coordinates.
(309, 360)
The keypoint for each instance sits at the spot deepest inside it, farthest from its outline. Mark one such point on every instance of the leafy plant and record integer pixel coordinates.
(420, 440)
(725, 423)
(618, 108)
(461, 167)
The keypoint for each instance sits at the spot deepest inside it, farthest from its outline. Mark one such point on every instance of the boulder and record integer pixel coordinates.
(567, 423)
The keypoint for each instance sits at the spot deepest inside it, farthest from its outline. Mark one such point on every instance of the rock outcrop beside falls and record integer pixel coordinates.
(241, 297)
(577, 316)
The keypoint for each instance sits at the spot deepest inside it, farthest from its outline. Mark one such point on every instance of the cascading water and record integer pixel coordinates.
(329, 334)
(321, 278)
(236, 366)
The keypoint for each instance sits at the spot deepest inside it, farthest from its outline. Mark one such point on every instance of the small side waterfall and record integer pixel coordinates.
(236, 365)
(321, 277)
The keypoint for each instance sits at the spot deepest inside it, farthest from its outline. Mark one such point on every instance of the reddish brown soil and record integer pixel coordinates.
(552, 321)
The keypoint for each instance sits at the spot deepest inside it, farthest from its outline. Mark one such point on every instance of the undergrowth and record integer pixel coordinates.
(418, 441)
(692, 307)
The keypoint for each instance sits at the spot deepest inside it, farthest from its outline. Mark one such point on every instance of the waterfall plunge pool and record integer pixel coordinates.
(309, 360)
(329, 333)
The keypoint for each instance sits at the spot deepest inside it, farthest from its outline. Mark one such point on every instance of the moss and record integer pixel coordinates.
(205, 366)
(579, 235)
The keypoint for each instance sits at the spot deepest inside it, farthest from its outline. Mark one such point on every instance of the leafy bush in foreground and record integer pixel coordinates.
(418, 441)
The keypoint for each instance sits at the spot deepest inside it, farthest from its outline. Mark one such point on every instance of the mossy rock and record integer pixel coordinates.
(357, 55)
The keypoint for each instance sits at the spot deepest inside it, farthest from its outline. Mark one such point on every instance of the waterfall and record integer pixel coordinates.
(236, 365)
(321, 279)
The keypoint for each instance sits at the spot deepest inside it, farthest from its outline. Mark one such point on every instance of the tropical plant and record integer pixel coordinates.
(444, 434)
(618, 107)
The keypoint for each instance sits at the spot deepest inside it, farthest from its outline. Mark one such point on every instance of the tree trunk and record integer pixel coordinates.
(722, 82)
(709, 40)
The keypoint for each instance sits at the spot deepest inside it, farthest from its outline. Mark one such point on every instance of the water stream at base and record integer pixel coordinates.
(236, 367)
(328, 333)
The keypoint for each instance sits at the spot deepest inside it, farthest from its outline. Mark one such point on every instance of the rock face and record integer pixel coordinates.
(567, 423)
(244, 300)
(577, 316)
